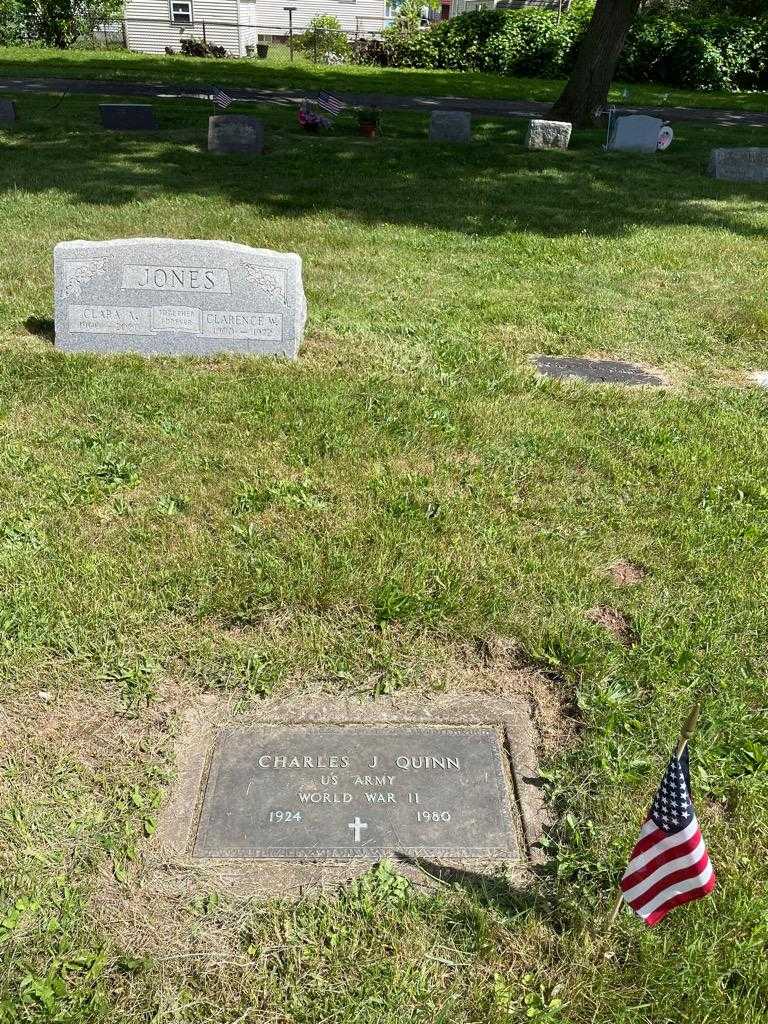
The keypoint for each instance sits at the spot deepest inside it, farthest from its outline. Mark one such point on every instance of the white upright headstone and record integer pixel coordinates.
(162, 296)
(635, 133)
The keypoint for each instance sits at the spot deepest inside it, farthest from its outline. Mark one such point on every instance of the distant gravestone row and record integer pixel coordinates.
(160, 296)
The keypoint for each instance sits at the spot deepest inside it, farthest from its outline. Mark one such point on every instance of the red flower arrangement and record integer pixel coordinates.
(310, 121)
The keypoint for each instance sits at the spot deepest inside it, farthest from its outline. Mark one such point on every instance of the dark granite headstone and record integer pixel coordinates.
(235, 133)
(127, 117)
(7, 111)
(596, 371)
(337, 792)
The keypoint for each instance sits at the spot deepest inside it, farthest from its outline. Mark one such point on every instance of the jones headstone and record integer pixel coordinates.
(745, 163)
(235, 133)
(548, 134)
(7, 111)
(337, 792)
(127, 117)
(161, 296)
(595, 371)
(635, 133)
(450, 126)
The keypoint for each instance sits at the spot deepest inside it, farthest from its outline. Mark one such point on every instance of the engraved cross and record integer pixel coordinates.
(357, 825)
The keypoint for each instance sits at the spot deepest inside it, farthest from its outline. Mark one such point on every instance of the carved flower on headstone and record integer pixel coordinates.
(271, 282)
(81, 274)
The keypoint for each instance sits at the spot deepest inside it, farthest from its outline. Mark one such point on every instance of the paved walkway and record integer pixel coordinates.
(490, 108)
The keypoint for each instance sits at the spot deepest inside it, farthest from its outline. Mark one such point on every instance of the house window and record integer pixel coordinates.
(181, 11)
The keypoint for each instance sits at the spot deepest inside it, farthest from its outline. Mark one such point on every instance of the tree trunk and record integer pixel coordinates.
(586, 91)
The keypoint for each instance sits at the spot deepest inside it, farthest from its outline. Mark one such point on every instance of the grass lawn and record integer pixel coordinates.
(278, 73)
(174, 529)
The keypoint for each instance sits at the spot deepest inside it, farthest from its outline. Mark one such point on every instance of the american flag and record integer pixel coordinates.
(220, 98)
(331, 103)
(669, 864)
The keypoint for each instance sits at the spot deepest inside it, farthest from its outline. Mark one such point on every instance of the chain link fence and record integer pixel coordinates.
(212, 38)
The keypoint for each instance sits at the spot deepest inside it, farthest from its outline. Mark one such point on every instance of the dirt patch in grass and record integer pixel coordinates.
(615, 621)
(625, 574)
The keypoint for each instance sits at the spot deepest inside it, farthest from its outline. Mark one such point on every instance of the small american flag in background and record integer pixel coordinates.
(220, 98)
(669, 864)
(331, 103)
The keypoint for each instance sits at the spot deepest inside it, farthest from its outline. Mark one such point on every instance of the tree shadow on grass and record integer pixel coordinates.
(485, 189)
(491, 890)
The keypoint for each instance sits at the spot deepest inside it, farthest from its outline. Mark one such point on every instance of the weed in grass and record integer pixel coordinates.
(135, 679)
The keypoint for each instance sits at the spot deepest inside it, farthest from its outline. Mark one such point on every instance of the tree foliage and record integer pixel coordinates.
(61, 23)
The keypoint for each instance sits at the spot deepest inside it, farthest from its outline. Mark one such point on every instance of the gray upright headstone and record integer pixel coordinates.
(161, 296)
(745, 163)
(548, 134)
(7, 111)
(635, 133)
(450, 126)
(235, 133)
(127, 117)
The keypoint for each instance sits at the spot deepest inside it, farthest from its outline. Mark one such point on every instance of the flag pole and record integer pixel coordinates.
(685, 734)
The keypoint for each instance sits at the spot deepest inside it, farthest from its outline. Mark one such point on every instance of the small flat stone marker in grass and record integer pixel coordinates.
(450, 126)
(336, 792)
(127, 117)
(745, 163)
(162, 296)
(595, 371)
(7, 111)
(235, 133)
(548, 134)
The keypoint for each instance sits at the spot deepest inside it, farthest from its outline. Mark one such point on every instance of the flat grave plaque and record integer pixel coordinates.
(339, 792)
(127, 117)
(595, 371)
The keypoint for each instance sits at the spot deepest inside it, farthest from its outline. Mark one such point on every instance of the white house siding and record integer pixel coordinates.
(149, 29)
(249, 34)
(364, 16)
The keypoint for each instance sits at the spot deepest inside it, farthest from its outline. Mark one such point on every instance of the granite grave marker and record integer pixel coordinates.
(7, 111)
(595, 371)
(740, 163)
(235, 133)
(450, 126)
(162, 296)
(543, 134)
(127, 117)
(309, 792)
(635, 133)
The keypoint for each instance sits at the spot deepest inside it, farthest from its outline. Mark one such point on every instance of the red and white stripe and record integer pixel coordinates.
(666, 870)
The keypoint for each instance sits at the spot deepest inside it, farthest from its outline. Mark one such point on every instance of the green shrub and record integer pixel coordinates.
(406, 44)
(720, 52)
(325, 41)
(12, 23)
(705, 53)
